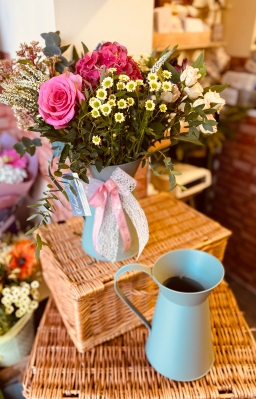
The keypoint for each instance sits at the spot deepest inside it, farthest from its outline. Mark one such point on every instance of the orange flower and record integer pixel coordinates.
(23, 257)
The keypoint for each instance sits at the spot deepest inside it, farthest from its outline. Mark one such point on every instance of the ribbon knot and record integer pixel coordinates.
(110, 200)
(98, 201)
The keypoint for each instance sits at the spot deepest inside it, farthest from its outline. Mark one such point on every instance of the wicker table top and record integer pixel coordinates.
(119, 369)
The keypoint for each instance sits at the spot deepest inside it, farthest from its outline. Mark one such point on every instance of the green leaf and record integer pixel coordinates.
(57, 173)
(32, 216)
(75, 55)
(183, 188)
(217, 88)
(25, 62)
(39, 241)
(37, 253)
(85, 48)
(20, 148)
(51, 50)
(102, 74)
(99, 165)
(64, 48)
(64, 153)
(51, 38)
(31, 231)
(157, 127)
(68, 177)
(63, 166)
(199, 61)
(37, 142)
(190, 139)
(27, 142)
(84, 177)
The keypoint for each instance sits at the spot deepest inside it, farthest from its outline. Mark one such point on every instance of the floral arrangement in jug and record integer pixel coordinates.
(12, 167)
(105, 108)
(19, 293)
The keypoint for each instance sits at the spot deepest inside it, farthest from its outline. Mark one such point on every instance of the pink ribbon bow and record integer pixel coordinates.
(98, 201)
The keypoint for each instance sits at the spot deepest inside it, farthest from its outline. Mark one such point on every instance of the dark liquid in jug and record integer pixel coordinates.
(183, 284)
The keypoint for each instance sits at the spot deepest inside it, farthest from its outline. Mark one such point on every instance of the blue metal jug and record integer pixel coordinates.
(179, 345)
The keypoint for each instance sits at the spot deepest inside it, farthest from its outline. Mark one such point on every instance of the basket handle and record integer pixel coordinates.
(122, 270)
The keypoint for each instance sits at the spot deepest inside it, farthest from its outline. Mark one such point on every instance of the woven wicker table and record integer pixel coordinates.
(119, 369)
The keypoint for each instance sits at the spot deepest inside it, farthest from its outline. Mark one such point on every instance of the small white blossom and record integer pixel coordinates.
(24, 291)
(154, 85)
(122, 104)
(6, 290)
(96, 140)
(120, 86)
(131, 86)
(111, 70)
(112, 103)
(124, 78)
(34, 304)
(119, 117)
(152, 76)
(15, 290)
(171, 97)
(139, 82)
(130, 101)
(34, 284)
(167, 86)
(107, 82)
(105, 109)
(95, 113)
(166, 74)
(101, 94)
(150, 105)
(5, 301)
(36, 295)
(163, 108)
(19, 313)
(9, 309)
(23, 284)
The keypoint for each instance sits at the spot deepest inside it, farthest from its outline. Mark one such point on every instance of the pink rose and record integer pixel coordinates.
(132, 70)
(58, 97)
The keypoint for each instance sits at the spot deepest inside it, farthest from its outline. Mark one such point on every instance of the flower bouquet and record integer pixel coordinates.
(16, 177)
(19, 297)
(104, 109)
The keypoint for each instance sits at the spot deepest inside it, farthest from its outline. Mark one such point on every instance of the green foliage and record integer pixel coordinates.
(53, 48)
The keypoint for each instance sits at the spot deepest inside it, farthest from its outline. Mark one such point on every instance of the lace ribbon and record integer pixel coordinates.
(110, 199)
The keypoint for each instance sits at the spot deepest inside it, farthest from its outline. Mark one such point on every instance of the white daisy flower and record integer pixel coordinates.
(120, 86)
(139, 82)
(24, 284)
(8, 297)
(154, 85)
(25, 291)
(119, 117)
(6, 291)
(150, 105)
(5, 301)
(122, 104)
(152, 76)
(124, 78)
(35, 284)
(131, 86)
(96, 103)
(25, 301)
(112, 103)
(34, 304)
(163, 108)
(18, 303)
(107, 82)
(130, 101)
(105, 109)
(101, 94)
(95, 113)
(19, 313)
(112, 97)
(9, 309)
(15, 290)
(36, 295)
(166, 74)
(167, 86)
(96, 140)
(111, 70)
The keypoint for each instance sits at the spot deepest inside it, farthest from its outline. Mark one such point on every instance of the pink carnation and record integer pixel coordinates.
(112, 55)
(58, 98)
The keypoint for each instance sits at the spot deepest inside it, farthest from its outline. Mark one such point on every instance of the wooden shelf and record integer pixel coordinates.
(185, 40)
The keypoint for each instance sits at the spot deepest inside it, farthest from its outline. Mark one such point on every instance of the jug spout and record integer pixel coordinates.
(179, 345)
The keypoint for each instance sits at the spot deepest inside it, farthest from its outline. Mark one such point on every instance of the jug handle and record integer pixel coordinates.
(122, 270)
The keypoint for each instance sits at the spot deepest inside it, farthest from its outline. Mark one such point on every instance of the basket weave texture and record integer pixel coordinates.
(118, 368)
(83, 287)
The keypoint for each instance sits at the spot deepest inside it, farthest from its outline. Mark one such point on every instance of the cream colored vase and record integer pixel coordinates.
(17, 342)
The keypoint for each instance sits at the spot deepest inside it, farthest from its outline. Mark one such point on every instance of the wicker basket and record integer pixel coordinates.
(119, 369)
(83, 287)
